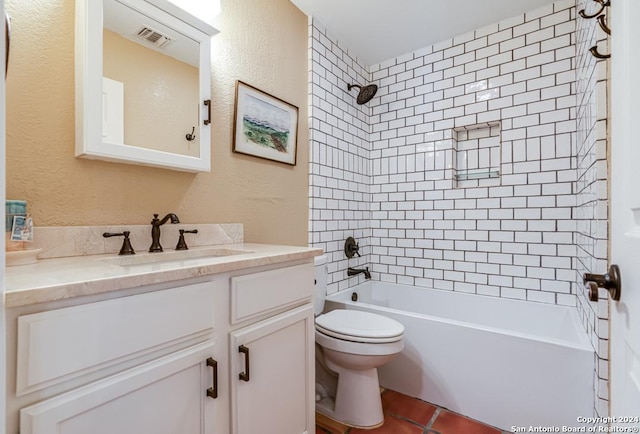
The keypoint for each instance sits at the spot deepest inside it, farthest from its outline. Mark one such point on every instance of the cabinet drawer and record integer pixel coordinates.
(256, 294)
(62, 344)
(166, 396)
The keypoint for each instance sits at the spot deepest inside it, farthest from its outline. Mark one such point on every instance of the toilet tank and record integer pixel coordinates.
(322, 273)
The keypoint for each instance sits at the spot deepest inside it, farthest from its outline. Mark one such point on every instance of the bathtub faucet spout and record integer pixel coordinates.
(356, 271)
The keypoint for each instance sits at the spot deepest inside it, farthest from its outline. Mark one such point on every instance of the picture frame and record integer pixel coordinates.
(264, 126)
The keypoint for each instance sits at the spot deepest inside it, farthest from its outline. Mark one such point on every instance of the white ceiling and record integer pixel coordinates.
(377, 30)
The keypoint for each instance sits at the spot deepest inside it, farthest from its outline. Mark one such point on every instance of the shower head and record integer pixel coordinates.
(366, 92)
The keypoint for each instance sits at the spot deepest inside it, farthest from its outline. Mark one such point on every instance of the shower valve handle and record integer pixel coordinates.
(351, 248)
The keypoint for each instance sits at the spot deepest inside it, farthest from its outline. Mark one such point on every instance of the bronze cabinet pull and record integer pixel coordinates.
(244, 376)
(207, 102)
(212, 392)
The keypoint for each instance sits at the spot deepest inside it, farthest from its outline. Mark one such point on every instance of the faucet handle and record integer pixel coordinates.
(126, 248)
(182, 244)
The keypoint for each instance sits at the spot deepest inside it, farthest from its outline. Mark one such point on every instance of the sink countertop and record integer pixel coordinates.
(63, 278)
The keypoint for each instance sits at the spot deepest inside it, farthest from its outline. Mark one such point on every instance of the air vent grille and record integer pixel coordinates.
(154, 37)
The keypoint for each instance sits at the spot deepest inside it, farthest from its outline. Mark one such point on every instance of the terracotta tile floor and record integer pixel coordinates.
(406, 415)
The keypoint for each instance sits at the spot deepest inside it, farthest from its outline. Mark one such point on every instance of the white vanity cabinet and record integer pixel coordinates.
(171, 393)
(272, 360)
(165, 359)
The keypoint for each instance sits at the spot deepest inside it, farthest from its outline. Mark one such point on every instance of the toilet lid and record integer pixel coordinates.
(359, 326)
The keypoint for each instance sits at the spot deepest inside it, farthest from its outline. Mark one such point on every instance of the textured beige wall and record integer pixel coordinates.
(263, 43)
(161, 95)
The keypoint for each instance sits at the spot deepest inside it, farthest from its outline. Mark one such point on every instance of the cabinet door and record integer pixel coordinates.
(167, 396)
(277, 396)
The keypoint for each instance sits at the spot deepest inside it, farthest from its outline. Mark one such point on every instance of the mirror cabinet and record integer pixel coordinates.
(143, 84)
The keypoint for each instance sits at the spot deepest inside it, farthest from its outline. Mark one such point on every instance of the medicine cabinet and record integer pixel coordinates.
(143, 84)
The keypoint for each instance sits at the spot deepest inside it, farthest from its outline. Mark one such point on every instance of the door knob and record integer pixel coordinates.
(610, 281)
(592, 290)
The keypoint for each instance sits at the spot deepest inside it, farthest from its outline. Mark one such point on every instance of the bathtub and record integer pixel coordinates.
(507, 363)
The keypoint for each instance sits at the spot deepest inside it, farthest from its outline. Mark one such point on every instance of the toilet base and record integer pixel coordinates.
(357, 402)
(325, 408)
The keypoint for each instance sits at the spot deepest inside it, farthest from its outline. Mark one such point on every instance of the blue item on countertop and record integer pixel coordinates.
(14, 208)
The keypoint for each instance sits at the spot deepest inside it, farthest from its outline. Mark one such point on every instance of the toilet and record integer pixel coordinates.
(350, 346)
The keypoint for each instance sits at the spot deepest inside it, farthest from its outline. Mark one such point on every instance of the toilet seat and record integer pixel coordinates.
(359, 326)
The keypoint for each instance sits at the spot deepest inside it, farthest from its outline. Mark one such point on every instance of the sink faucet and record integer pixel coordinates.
(356, 271)
(155, 230)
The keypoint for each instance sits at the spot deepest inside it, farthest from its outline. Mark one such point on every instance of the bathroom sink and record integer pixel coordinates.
(174, 256)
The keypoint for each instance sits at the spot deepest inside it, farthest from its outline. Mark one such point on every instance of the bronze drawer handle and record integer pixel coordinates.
(212, 392)
(244, 376)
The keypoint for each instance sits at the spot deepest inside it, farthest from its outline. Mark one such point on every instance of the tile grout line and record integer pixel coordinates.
(433, 419)
(404, 418)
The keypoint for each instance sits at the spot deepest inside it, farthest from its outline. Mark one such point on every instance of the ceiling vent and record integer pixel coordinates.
(154, 37)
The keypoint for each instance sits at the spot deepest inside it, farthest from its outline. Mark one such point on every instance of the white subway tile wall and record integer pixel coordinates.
(592, 191)
(385, 172)
(339, 185)
(510, 236)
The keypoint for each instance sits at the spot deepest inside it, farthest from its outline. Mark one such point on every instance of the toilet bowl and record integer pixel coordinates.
(350, 346)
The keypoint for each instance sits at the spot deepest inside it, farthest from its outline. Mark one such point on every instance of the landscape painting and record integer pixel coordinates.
(265, 126)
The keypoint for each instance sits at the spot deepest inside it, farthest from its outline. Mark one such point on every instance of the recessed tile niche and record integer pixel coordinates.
(476, 155)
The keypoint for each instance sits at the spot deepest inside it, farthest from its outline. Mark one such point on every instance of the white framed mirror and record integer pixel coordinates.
(143, 90)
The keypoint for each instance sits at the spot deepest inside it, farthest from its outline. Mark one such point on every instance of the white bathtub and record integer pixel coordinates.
(503, 362)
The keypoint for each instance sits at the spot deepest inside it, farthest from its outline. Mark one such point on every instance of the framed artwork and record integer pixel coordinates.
(264, 126)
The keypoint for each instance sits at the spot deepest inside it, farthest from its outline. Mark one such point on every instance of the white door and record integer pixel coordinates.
(625, 210)
(2, 194)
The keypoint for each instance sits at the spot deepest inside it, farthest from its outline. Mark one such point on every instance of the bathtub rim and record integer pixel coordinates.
(583, 342)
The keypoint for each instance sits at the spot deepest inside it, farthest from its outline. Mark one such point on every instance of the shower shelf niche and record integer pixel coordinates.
(476, 155)
(463, 175)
